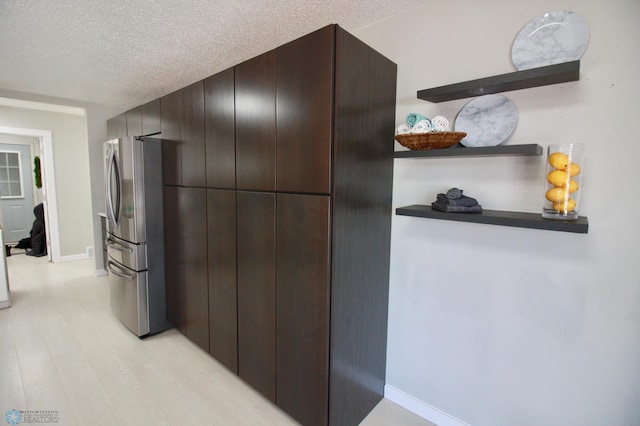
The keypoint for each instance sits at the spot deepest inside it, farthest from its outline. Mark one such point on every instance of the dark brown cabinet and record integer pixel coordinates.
(182, 132)
(117, 126)
(219, 98)
(278, 179)
(192, 205)
(173, 276)
(255, 90)
(134, 122)
(223, 293)
(256, 251)
(192, 135)
(185, 223)
(170, 116)
(139, 121)
(303, 308)
(151, 117)
(304, 115)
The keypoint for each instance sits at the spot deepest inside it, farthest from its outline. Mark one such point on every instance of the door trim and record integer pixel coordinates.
(48, 186)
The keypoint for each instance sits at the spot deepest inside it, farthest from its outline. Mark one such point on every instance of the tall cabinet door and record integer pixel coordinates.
(303, 259)
(117, 126)
(192, 263)
(255, 91)
(170, 113)
(223, 295)
(192, 135)
(304, 99)
(257, 291)
(220, 130)
(151, 117)
(134, 122)
(175, 294)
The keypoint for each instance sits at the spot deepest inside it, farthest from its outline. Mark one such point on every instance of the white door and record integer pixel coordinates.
(16, 191)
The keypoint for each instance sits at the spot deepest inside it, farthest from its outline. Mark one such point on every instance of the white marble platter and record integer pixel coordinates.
(488, 121)
(553, 38)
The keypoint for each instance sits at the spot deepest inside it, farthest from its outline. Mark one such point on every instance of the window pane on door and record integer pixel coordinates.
(14, 174)
(10, 175)
(12, 159)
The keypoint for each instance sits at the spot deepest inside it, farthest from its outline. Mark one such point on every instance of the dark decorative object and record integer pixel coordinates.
(36, 172)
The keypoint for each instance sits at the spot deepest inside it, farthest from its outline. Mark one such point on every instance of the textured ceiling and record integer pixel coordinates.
(127, 52)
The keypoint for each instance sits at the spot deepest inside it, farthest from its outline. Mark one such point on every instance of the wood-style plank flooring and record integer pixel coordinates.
(62, 350)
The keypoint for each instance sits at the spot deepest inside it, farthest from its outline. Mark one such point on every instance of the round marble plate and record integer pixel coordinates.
(488, 120)
(554, 38)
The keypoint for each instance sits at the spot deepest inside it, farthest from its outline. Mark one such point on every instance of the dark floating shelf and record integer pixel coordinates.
(462, 151)
(543, 76)
(502, 218)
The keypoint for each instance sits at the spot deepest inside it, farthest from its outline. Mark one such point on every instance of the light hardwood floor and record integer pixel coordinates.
(61, 349)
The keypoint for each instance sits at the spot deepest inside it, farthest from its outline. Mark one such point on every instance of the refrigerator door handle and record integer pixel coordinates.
(116, 270)
(113, 211)
(111, 243)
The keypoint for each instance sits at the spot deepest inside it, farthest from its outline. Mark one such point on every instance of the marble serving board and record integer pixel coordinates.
(554, 38)
(488, 121)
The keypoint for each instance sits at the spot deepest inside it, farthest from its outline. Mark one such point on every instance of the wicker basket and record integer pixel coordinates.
(432, 140)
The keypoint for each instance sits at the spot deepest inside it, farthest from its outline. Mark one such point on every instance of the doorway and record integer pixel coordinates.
(48, 186)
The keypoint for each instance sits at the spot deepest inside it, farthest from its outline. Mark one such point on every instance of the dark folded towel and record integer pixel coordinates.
(456, 209)
(462, 201)
(454, 193)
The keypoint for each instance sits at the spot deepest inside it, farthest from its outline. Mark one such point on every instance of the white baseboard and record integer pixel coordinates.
(100, 272)
(73, 257)
(420, 408)
(4, 304)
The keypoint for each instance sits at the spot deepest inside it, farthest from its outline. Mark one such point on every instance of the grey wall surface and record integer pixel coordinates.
(499, 326)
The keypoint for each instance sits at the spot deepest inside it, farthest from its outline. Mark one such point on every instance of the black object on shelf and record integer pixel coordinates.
(462, 151)
(542, 76)
(502, 218)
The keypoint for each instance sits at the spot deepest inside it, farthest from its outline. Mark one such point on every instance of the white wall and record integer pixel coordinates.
(499, 326)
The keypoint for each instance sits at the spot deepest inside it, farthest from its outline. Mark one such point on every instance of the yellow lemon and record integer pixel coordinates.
(573, 186)
(557, 178)
(556, 194)
(574, 169)
(565, 206)
(558, 160)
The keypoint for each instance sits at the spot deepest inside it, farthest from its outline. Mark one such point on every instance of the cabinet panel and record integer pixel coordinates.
(151, 117)
(255, 91)
(304, 99)
(192, 263)
(256, 291)
(361, 222)
(134, 122)
(220, 130)
(117, 126)
(223, 314)
(192, 135)
(170, 113)
(303, 264)
(173, 281)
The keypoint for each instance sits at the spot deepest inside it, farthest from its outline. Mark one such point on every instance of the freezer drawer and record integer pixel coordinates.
(128, 294)
(133, 256)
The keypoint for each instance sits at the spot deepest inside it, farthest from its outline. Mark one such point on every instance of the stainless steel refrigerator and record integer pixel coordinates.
(135, 247)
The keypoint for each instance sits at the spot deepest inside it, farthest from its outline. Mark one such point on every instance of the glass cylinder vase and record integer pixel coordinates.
(563, 181)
